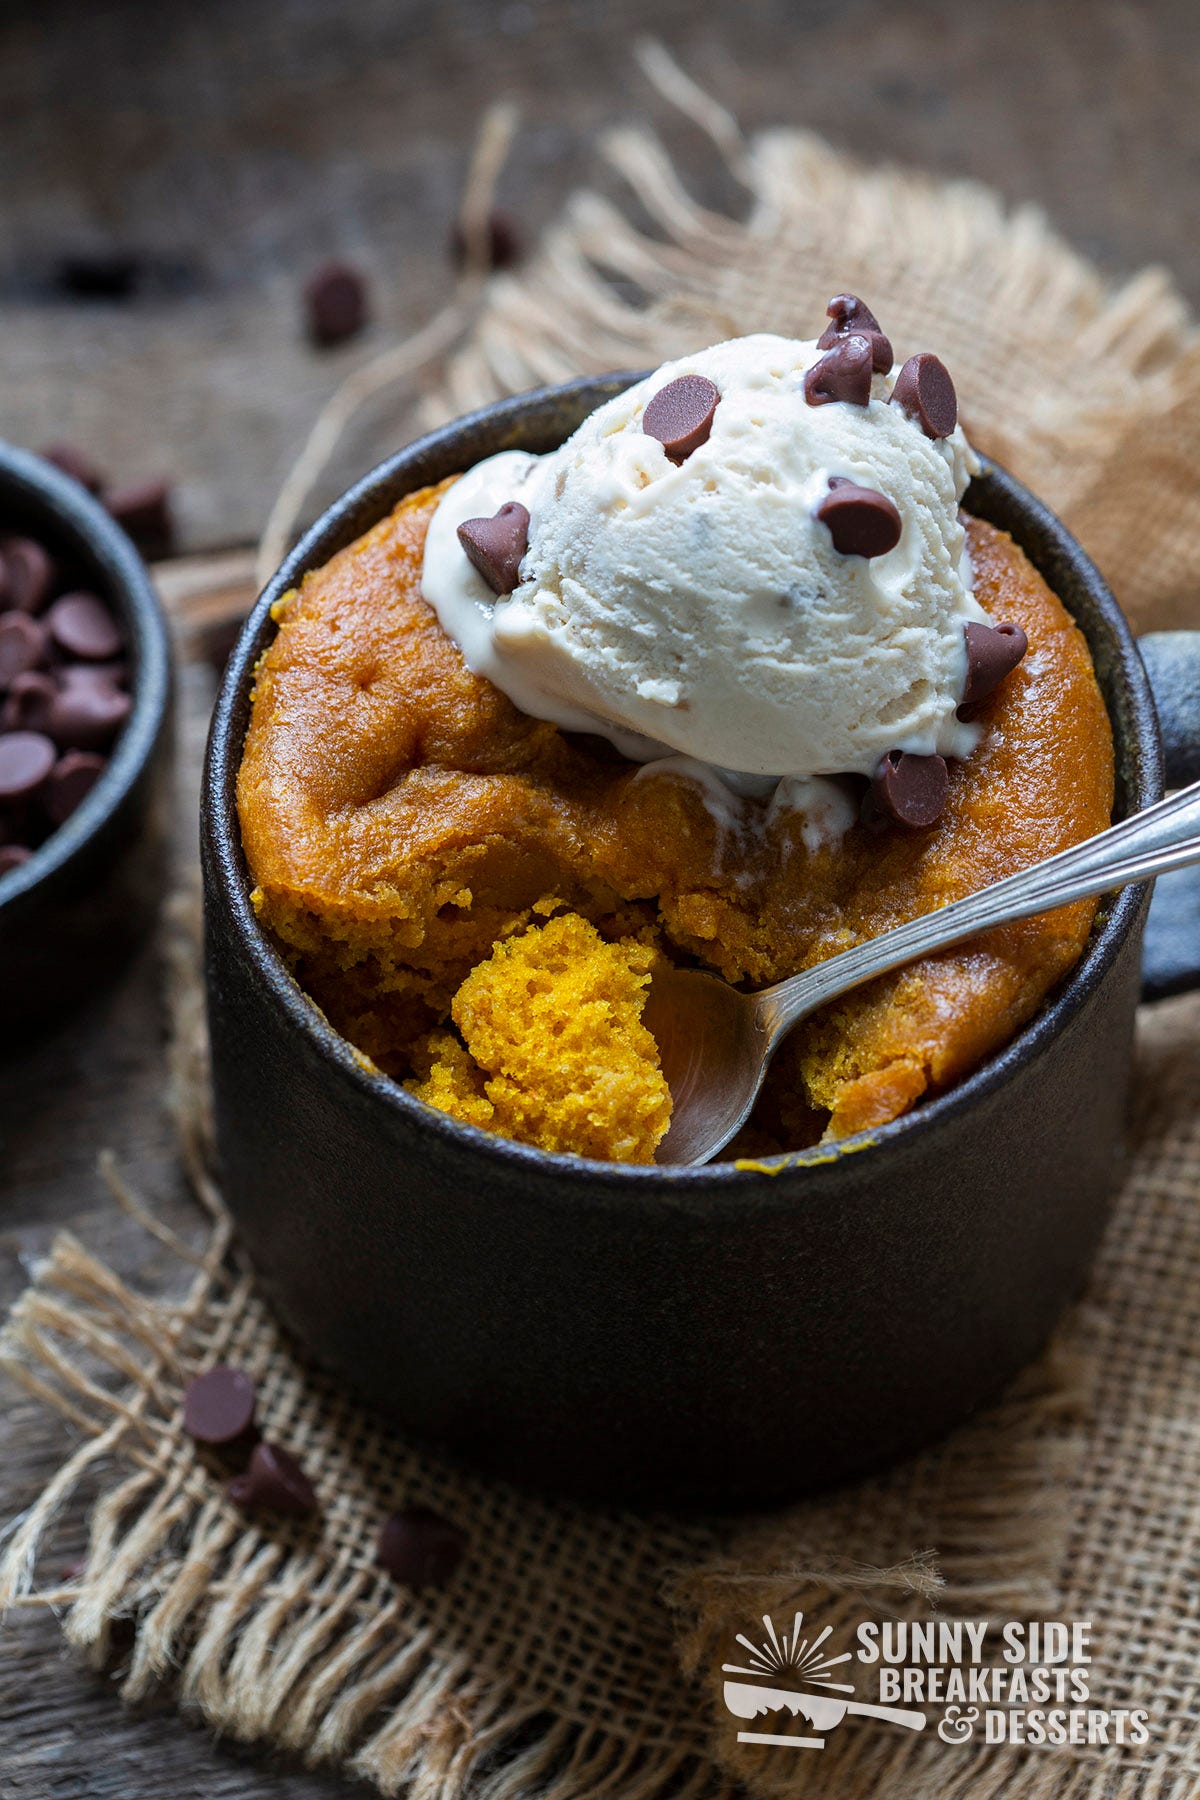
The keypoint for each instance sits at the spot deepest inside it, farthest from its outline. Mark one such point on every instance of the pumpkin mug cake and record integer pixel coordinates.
(726, 680)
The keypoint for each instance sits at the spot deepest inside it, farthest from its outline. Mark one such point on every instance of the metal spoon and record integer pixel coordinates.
(716, 1043)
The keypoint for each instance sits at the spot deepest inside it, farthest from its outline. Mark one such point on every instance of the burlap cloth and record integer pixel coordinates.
(578, 1653)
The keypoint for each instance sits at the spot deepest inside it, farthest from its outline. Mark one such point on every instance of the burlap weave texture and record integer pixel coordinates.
(578, 1654)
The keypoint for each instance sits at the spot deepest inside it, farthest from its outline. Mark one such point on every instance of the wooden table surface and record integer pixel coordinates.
(233, 147)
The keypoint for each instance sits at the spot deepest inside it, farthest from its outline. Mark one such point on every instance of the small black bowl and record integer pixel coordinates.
(90, 892)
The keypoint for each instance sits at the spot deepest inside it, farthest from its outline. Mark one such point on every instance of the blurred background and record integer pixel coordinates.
(175, 173)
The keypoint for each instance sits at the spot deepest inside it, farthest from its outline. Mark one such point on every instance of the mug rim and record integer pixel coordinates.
(82, 524)
(357, 510)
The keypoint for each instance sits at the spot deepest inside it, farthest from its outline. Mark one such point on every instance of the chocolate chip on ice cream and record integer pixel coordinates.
(680, 415)
(861, 521)
(850, 315)
(925, 393)
(911, 789)
(993, 652)
(843, 373)
(495, 546)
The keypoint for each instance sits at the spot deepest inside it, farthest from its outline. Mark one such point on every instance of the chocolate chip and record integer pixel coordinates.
(22, 645)
(26, 759)
(12, 856)
(99, 274)
(218, 1406)
(71, 781)
(503, 241)
(680, 415)
(993, 651)
(274, 1482)
(495, 546)
(143, 509)
(28, 574)
(910, 789)
(852, 316)
(861, 521)
(86, 709)
(27, 707)
(335, 302)
(76, 463)
(420, 1548)
(81, 626)
(843, 373)
(925, 392)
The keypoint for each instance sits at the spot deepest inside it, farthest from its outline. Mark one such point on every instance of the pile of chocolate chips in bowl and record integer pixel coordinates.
(64, 695)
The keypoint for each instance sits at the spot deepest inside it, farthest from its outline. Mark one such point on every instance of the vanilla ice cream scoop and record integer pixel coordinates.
(751, 558)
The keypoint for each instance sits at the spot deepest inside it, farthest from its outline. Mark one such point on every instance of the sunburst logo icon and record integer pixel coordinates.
(793, 1672)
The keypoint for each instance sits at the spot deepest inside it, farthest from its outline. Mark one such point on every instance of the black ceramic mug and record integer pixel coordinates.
(711, 1335)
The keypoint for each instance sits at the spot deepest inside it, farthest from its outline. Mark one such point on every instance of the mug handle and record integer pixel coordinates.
(1171, 951)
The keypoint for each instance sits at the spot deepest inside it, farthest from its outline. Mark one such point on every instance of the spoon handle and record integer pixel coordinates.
(1154, 842)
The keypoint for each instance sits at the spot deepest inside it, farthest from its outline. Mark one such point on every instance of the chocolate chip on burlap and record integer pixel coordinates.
(851, 316)
(219, 1406)
(495, 546)
(843, 373)
(274, 1482)
(680, 415)
(861, 521)
(924, 391)
(420, 1548)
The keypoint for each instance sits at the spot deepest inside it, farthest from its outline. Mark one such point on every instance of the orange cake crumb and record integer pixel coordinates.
(555, 1050)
